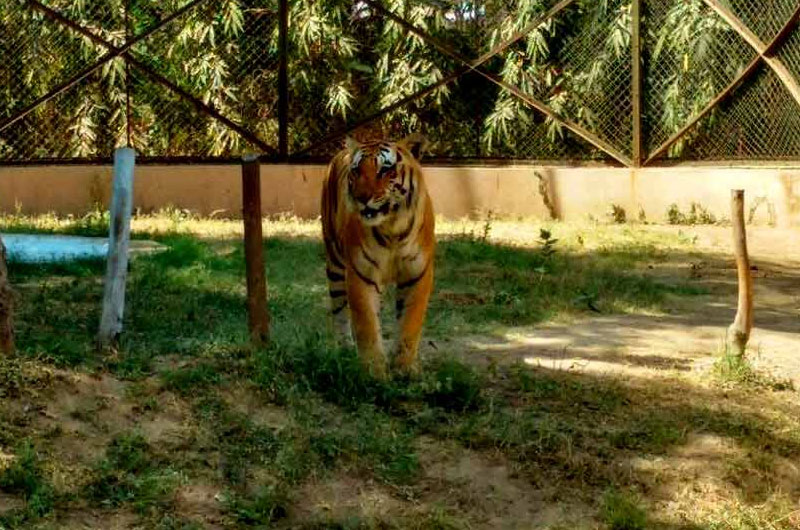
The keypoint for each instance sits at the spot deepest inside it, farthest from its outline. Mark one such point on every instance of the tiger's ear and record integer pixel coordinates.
(416, 144)
(351, 144)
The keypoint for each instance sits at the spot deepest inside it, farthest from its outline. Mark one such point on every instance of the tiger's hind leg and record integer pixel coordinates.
(339, 310)
(411, 305)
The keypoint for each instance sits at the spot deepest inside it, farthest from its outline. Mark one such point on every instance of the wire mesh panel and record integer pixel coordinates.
(382, 62)
(105, 19)
(579, 64)
(38, 55)
(353, 61)
(500, 79)
(761, 123)
(222, 53)
(452, 126)
(81, 123)
(691, 56)
(789, 54)
(765, 18)
(166, 125)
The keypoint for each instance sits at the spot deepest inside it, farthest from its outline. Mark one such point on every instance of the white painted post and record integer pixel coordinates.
(118, 240)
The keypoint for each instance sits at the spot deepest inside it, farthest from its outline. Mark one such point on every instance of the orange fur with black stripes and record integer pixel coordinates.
(378, 227)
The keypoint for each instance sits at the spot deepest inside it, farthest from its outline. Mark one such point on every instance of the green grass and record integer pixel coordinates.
(622, 512)
(731, 368)
(131, 474)
(189, 299)
(27, 478)
(185, 346)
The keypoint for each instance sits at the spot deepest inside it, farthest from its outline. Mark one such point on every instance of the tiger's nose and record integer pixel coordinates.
(362, 197)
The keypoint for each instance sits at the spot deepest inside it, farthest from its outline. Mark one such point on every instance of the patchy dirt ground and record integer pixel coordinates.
(689, 337)
(586, 421)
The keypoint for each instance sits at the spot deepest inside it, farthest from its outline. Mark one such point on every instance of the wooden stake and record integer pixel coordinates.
(6, 306)
(257, 310)
(739, 331)
(118, 242)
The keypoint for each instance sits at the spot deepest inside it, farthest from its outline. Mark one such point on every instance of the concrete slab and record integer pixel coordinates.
(46, 248)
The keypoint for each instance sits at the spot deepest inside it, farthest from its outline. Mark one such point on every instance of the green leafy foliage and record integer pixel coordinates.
(347, 60)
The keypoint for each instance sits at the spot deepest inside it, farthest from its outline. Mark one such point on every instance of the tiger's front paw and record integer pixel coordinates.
(377, 369)
(406, 365)
(374, 363)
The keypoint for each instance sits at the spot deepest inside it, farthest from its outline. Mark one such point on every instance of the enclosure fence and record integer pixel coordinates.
(631, 82)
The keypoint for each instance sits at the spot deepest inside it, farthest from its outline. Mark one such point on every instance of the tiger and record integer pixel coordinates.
(378, 229)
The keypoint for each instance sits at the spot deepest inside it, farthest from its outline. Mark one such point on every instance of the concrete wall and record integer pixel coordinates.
(573, 193)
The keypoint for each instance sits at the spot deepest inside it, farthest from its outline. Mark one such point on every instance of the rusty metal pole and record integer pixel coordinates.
(257, 310)
(636, 81)
(283, 79)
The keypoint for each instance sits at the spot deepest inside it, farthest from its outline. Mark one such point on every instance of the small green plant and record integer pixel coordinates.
(487, 226)
(674, 215)
(731, 368)
(130, 475)
(621, 511)
(26, 477)
(95, 222)
(266, 506)
(452, 385)
(617, 214)
(191, 379)
(547, 243)
(697, 215)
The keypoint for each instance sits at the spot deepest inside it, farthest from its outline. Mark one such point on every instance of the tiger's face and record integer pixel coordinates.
(376, 179)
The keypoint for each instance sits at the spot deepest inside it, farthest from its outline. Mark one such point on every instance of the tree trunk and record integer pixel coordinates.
(6, 306)
(739, 331)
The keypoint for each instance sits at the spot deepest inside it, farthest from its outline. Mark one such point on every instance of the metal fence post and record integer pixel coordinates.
(118, 240)
(283, 80)
(636, 81)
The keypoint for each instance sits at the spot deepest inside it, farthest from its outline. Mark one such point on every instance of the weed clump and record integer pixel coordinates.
(697, 215)
(617, 214)
(267, 505)
(732, 369)
(130, 474)
(26, 477)
(622, 511)
(452, 385)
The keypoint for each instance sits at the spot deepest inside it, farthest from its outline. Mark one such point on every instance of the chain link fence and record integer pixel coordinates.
(534, 80)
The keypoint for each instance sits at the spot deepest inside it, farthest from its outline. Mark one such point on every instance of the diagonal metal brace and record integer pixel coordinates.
(467, 67)
(744, 75)
(86, 72)
(763, 50)
(124, 51)
(527, 98)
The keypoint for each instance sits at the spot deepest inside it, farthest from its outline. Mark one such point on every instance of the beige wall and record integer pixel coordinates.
(574, 193)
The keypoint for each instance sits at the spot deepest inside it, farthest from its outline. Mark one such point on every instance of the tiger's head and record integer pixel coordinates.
(380, 176)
